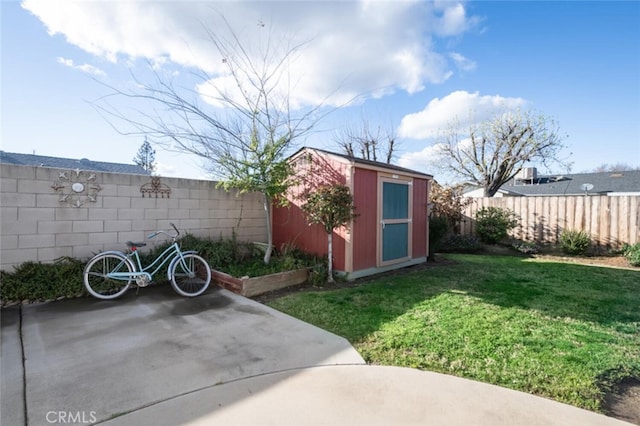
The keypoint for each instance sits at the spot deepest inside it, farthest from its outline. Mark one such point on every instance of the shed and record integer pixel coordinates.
(391, 230)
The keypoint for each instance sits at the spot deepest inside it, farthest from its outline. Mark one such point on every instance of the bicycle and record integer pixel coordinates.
(109, 274)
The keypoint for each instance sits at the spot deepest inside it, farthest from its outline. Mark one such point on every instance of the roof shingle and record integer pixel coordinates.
(603, 183)
(68, 163)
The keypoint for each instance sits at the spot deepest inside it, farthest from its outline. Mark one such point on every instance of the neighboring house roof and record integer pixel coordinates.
(605, 183)
(366, 163)
(68, 163)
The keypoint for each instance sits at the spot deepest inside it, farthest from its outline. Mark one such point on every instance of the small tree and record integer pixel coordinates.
(146, 157)
(448, 202)
(332, 207)
(493, 223)
(446, 213)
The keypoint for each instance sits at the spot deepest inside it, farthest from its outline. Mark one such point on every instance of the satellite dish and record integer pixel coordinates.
(586, 187)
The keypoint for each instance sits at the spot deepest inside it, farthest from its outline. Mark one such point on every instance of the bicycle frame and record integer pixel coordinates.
(171, 252)
(164, 256)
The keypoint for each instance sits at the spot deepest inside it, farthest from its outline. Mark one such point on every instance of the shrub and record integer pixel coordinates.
(318, 274)
(34, 281)
(460, 244)
(438, 229)
(493, 223)
(449, 203)
(526, 247)
(574, 241)
(221, 252)
(241, 259)
(632, 253)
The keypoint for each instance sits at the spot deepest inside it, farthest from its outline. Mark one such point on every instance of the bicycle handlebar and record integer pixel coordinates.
(156, 233)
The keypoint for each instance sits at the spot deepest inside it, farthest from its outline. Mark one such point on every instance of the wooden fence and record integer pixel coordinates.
(611, 221)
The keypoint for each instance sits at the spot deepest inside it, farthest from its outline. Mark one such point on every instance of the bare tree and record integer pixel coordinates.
(491, 153)
(376, 143)
(244, 129)
(617, 167)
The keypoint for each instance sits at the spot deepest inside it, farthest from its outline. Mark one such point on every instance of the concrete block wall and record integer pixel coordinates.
(41, 223)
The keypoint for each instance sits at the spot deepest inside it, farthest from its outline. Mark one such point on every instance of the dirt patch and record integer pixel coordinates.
(624, 401)
(610, 261)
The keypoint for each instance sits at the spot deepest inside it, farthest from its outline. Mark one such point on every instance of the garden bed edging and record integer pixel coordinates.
(253, 286)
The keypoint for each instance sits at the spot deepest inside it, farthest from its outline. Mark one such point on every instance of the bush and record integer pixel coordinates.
(493, 224)
(574, 241)
(449, 203)
(526, 247)
(632, 253)
(460, 244)
(318, 274)
(33, 281)
(438, 228)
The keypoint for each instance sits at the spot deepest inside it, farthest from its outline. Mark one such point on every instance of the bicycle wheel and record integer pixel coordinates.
(96, 275)
(190, 276)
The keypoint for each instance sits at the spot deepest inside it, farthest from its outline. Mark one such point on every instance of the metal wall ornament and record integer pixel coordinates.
(76, 187)
(155, 188)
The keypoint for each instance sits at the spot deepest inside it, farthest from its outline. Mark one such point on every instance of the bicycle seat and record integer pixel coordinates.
(135, 245)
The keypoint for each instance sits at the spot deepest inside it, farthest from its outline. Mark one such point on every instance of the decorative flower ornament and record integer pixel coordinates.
(76, 187)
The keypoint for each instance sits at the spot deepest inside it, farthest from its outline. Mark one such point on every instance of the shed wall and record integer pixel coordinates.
(420, 200)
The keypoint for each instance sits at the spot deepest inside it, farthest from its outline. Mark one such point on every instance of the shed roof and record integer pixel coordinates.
(68, 163)
(365, 163)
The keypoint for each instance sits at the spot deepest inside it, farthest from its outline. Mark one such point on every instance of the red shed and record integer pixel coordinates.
(391, 230)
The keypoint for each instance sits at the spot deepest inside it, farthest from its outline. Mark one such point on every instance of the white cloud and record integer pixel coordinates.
(422, 160)
(431, 159)
(461, 62)
(86, 68)
(460, 107)
(354, 47)
(454, 20)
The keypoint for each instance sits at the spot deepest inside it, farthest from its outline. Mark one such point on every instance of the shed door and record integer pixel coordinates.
(395, 231)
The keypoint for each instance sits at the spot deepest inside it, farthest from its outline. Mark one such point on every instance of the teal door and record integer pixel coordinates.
(396, 221)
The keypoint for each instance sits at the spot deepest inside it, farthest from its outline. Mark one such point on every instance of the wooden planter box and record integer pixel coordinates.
(257, 285)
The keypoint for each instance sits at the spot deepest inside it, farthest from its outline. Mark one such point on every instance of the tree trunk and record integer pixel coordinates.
(330, 256)
(267, 211)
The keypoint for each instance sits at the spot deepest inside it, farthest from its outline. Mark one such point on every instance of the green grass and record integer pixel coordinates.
(562, 331)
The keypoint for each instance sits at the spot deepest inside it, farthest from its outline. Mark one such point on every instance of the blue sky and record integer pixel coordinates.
(420, 64)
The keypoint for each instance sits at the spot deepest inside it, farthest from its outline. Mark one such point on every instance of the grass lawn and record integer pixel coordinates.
(562, 331)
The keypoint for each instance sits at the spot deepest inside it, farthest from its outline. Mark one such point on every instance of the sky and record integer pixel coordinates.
(410, 66)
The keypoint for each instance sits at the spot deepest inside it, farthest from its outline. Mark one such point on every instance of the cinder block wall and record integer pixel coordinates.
(42, 217)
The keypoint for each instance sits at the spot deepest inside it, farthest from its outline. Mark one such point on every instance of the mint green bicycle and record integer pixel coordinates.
(109, 274)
